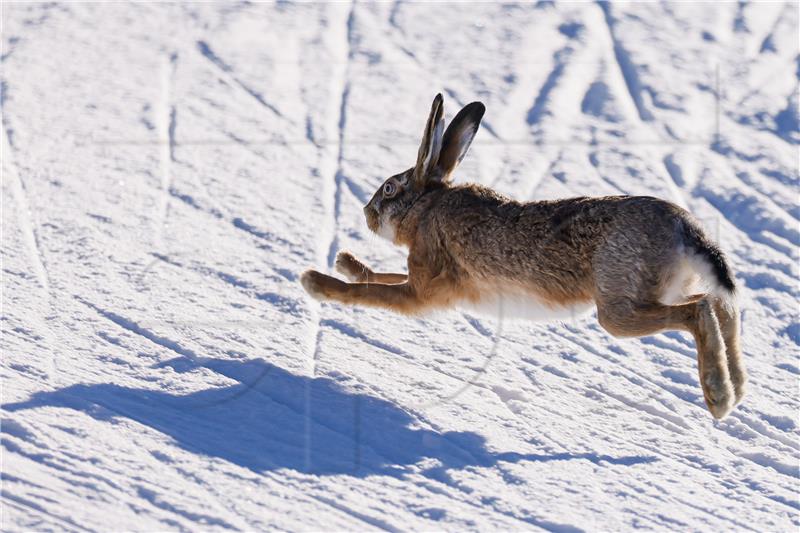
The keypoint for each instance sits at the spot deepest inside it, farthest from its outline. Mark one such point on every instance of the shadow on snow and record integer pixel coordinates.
(273, 419)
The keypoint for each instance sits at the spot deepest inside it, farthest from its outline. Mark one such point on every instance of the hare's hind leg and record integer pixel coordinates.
(712, 362)
(357, 271)
(727, 313)
(625, 318)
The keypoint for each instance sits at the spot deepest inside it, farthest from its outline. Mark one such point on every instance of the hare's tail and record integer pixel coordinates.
(710, 252)
(699, 269)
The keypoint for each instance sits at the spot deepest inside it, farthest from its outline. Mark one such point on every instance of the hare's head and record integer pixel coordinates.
(439, 154)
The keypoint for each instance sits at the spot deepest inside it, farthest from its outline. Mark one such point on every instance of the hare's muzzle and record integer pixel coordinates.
(371, 214)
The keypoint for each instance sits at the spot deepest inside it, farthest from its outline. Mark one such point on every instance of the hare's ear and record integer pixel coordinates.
(458, 137)
(431, 142)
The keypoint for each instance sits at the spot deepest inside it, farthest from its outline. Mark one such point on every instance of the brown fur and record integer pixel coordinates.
(467, 242)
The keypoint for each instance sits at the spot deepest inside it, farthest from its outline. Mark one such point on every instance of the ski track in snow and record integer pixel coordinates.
(167, 128)
(25, 221)
(161, 361)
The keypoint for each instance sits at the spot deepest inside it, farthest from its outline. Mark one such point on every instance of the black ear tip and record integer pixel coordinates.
(438, 98)
(478, 109)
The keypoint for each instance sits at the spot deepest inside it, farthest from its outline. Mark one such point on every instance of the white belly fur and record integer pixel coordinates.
(525, 307)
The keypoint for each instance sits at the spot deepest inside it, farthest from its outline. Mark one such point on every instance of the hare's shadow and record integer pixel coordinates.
(288, 421)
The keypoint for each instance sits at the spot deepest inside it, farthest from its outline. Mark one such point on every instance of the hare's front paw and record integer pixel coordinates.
(351, 268)
(313, 282)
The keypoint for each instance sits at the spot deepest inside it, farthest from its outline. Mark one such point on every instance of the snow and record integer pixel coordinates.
(168, 170)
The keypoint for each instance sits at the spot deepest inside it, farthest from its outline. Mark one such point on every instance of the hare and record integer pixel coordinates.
(644, 263)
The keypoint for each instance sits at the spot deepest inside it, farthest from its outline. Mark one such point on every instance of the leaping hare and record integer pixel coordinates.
(644, 263)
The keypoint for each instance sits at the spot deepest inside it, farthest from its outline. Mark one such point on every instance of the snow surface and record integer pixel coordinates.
(169, 169)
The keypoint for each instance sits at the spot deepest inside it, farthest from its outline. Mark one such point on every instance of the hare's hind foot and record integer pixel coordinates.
(727, 313)
(715, 378)
(718, 392)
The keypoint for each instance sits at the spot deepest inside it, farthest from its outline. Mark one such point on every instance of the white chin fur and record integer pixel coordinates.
(525, 307)
(386, 230)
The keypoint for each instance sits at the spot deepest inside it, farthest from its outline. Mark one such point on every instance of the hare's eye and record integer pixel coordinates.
(389, 189)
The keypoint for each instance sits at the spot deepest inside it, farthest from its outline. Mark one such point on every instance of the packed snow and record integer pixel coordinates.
(168, 171)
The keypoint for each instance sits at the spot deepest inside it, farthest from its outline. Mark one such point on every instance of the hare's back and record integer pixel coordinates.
(555, 246)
